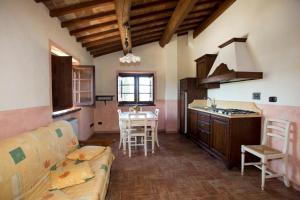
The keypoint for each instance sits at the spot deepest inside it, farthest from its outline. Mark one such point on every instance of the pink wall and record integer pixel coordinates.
(292, 114)
(14, 122)
(107, 114)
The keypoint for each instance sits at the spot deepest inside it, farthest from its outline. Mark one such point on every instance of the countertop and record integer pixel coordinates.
(228, 116)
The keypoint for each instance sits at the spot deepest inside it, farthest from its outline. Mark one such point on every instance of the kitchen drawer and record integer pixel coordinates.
(204, 126)
(204, 138)
(205, 117)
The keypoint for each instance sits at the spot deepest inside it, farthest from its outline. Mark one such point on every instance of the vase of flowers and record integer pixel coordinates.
(136, 108)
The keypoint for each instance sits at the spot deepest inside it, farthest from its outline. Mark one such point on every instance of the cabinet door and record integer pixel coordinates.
(201, 69)
(192, 124)
(204, 65)
(219, 139)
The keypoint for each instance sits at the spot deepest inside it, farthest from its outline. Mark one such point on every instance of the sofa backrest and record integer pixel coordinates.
(27, 159)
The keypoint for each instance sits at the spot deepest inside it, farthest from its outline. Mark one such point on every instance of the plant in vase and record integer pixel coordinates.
(136, 108)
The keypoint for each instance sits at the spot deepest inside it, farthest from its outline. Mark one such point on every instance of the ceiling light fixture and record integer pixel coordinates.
(129, 57)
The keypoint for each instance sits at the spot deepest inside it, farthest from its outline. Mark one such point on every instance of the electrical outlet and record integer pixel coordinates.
(256, 95)
(99, 123)
(272, 99)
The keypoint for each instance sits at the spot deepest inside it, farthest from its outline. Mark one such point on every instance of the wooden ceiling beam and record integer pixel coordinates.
(147, 36)
(105, 46)
(199, 13)
(101, 41)
(188, 27)
(152, 7)
(123, 14)
(226, 4)
(145, 32)
(79, 7)
(149, 18)
(102, 17)
(196, 16)
(95, 28)
(104, 43)
(206, 5)
(149, 40)
(181, 11)
(98, 36)
(100, 50)
(153, 24)
(193, 20)
(107, 52)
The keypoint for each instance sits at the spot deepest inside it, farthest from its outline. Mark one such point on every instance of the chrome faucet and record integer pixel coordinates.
(212, 102)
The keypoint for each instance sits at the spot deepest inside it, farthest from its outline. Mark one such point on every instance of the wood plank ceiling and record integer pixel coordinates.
(98, 24)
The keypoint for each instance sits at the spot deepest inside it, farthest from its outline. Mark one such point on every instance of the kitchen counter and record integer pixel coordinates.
(221, 134)
(223, 115)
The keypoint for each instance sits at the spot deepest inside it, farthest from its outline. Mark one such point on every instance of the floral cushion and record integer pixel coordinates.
(86, 153)
(71, 174)
(55, 195)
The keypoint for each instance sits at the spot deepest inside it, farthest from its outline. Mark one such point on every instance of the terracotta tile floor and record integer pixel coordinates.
(181, 170)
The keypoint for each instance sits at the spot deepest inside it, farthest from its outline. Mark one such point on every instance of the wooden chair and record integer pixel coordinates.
(275, 129)
(156, 127)
(122, 132)
(149, 132)
(137, 127)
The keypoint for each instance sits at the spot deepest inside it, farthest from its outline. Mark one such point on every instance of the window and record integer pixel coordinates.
(83, 85)
(135, 89)
(72, 84)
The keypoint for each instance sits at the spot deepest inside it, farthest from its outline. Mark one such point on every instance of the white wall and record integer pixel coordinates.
(162, 61)
(186, 64)
(108, 66)
(273, 30)
(26, 28)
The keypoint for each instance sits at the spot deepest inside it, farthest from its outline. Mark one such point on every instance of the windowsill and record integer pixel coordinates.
(65, 112)
(134, 104)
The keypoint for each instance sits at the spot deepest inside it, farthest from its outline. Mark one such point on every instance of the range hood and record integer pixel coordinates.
(233, 64)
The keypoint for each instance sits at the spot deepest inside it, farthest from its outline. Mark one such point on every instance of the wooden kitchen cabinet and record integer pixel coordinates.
(204, 129)
(188, 93)
(204, 64)
(192, 124)
(222, 136)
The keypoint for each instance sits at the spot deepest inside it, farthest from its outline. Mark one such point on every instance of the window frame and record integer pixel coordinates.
(136, 89)
(92, 82)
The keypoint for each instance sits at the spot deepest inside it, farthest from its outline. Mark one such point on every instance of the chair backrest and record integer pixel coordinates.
(120, 122)
(156, 112)
(119, 112)
(279, 129)
(137, 120)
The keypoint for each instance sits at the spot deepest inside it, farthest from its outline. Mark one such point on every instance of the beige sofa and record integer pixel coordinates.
(26, 161)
